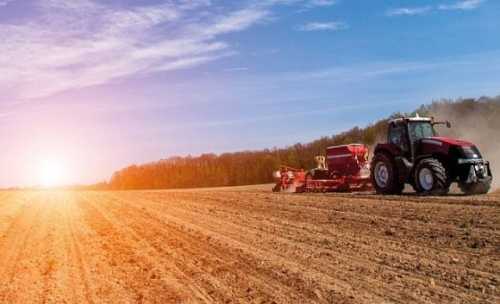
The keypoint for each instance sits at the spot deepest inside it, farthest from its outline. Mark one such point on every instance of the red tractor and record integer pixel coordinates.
(414, 154)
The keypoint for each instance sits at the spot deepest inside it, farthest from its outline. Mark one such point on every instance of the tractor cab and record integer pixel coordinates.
(406, 133)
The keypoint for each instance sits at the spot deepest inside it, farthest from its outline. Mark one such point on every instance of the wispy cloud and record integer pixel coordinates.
(79, 43)
(304, 3)
(71, 44)
(316, 3)
(363, 72)
(422, 10)
(462, 5)
(323, 26)
(409, 11)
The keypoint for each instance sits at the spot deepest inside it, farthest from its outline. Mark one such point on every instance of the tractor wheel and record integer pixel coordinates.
(277, 187)
(475, 188)
(384, 175)
(431, 178)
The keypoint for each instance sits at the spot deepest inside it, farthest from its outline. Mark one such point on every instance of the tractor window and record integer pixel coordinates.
(420, 130)
(396, 135)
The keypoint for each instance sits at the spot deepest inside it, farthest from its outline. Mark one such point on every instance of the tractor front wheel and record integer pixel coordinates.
(431, 178)
(384, 175)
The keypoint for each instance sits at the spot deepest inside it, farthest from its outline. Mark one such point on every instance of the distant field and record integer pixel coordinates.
(246, 244)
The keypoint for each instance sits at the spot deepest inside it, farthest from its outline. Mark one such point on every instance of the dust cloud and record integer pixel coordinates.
(477, 125)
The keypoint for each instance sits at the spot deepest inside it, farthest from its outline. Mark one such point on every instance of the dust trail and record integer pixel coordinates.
(478, 125)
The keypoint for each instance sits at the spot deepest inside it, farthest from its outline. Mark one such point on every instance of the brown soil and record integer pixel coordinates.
(247, 245)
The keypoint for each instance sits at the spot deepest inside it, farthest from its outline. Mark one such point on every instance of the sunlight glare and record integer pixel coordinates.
(52, 173)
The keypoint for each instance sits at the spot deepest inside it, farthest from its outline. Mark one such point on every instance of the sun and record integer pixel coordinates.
(52, 173)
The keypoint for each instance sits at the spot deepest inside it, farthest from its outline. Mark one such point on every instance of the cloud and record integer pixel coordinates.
(357, 73)
(409, 11)
(316, 3)
(462, 5)
(73, 44)
(303, 3)
(237, 21)
(413, 11)
(323, 26)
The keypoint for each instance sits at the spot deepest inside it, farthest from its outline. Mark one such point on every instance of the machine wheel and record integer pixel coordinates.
(475, 188)
(384, 175)
(307, 180)
(431, 178)
(277, 188)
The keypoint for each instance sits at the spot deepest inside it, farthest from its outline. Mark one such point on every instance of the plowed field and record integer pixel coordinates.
(247, 245)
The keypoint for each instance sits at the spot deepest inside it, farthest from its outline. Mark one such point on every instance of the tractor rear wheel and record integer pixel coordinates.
(475, 188)
(384, 175)
(431, 178)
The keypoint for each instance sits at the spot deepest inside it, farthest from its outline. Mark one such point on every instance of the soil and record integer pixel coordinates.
(247, 245)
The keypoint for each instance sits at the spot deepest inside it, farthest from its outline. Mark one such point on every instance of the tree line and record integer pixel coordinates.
(255, 167)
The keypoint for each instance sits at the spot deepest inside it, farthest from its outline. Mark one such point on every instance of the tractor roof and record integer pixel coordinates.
(407, 119)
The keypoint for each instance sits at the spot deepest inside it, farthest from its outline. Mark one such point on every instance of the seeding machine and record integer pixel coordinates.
(345, 168)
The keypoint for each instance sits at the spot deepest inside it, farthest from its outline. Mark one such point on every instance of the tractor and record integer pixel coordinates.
(414, 154)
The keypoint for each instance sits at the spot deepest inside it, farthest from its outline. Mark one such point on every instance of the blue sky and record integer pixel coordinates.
(104, 84)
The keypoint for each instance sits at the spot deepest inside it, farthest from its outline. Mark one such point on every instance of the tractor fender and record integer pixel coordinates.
(387, 149)
(443, 158)
(423, 156)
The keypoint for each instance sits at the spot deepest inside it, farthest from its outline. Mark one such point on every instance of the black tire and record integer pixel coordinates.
(277, 188)
(390, 184)
(475, 188)
(438, 182)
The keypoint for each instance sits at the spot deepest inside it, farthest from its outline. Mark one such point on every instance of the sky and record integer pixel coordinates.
(98, 85)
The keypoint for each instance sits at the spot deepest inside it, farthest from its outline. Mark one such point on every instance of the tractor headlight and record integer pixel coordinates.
(462, 161)
(472, 161)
